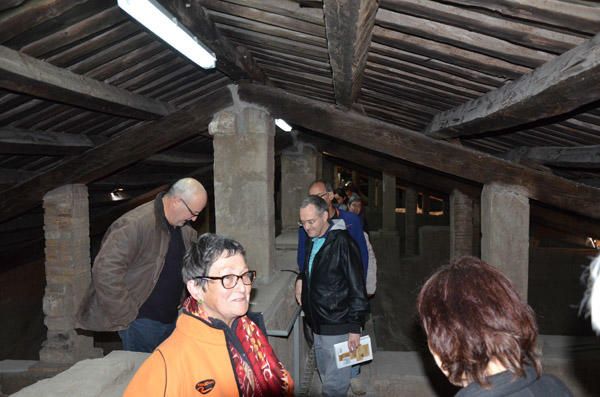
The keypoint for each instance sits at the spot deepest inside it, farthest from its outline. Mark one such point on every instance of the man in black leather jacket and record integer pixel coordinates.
(333, 297)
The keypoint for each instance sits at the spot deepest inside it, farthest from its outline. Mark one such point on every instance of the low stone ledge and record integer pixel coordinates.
(106, 377)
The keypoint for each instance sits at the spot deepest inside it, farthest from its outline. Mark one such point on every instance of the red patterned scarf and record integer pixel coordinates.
(263, 374)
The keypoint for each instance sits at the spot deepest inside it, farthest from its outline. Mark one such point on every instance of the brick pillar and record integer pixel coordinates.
(461, 224)
(410, 221)
(244, 169)
(300, 166)
(505, 232)
(66, 228)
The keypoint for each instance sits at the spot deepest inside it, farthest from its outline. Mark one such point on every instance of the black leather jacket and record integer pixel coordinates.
(334, 298)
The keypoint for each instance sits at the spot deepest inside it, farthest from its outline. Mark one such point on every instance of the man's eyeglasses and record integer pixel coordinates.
(322, 195)
(309, 222)
(189, 209)
(229, 281)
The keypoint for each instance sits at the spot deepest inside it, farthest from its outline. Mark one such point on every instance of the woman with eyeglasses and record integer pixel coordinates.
(218, 347)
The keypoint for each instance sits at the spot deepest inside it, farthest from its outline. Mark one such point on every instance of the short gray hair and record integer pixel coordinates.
(203, 253)
(318, 202)
(186, 188)
(328, 186)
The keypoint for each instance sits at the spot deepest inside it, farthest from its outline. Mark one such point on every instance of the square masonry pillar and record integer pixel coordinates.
(505, 232)
(244, 172)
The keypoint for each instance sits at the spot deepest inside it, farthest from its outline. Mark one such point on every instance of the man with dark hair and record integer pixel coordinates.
(331, 258)
(136, 277)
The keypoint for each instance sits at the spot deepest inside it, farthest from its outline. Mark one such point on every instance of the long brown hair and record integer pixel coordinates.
(472, 314)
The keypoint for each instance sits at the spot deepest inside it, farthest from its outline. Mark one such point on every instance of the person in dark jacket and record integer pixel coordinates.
(333, 297)
(481, 334)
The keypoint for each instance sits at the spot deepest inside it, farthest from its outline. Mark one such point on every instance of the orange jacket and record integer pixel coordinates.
(193, 359)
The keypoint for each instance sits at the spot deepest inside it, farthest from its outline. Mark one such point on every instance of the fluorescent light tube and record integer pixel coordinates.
(283, 125)
(154, 17)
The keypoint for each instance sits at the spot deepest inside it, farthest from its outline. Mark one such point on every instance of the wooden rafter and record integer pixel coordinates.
(128, 147)
(581, 157)
(20, 141)
(413, 147)
(24, 74)
(237, 63)
(418, 176)
(349, 24)
(557, 87)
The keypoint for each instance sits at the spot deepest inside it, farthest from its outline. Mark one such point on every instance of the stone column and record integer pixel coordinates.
(388, 222)
(66, 229)
(505, 232)
(461, 224)
(410, 221)
(243, 142)
(300, 166)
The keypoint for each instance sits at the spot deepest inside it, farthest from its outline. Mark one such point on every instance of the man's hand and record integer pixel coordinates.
(353, 342)
(299, 291)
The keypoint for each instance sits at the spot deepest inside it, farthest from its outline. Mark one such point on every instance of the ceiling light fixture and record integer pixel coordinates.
(283, 125)
(154, 17)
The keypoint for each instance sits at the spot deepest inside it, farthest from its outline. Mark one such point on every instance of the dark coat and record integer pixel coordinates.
(505, 384)
(334, 298)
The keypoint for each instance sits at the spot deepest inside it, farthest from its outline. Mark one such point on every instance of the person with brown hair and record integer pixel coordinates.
(481, 334)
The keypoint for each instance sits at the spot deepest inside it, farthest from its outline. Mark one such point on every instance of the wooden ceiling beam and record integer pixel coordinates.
(561, 85)
(24, 74)
(179, 159)
(11, 176)
(580, 157)
(237, 63)
(129, 179)
(348, 25)
(415, 148)
(47, 143)
(418, 176)
(128, 147)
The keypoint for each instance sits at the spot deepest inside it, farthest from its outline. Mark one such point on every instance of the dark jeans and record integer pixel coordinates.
(144, 335)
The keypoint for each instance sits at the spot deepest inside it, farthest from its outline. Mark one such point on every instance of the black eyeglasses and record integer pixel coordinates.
(229, 281)
(189, 209)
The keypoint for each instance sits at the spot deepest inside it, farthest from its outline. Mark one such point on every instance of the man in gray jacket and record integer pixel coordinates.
(136, 277)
